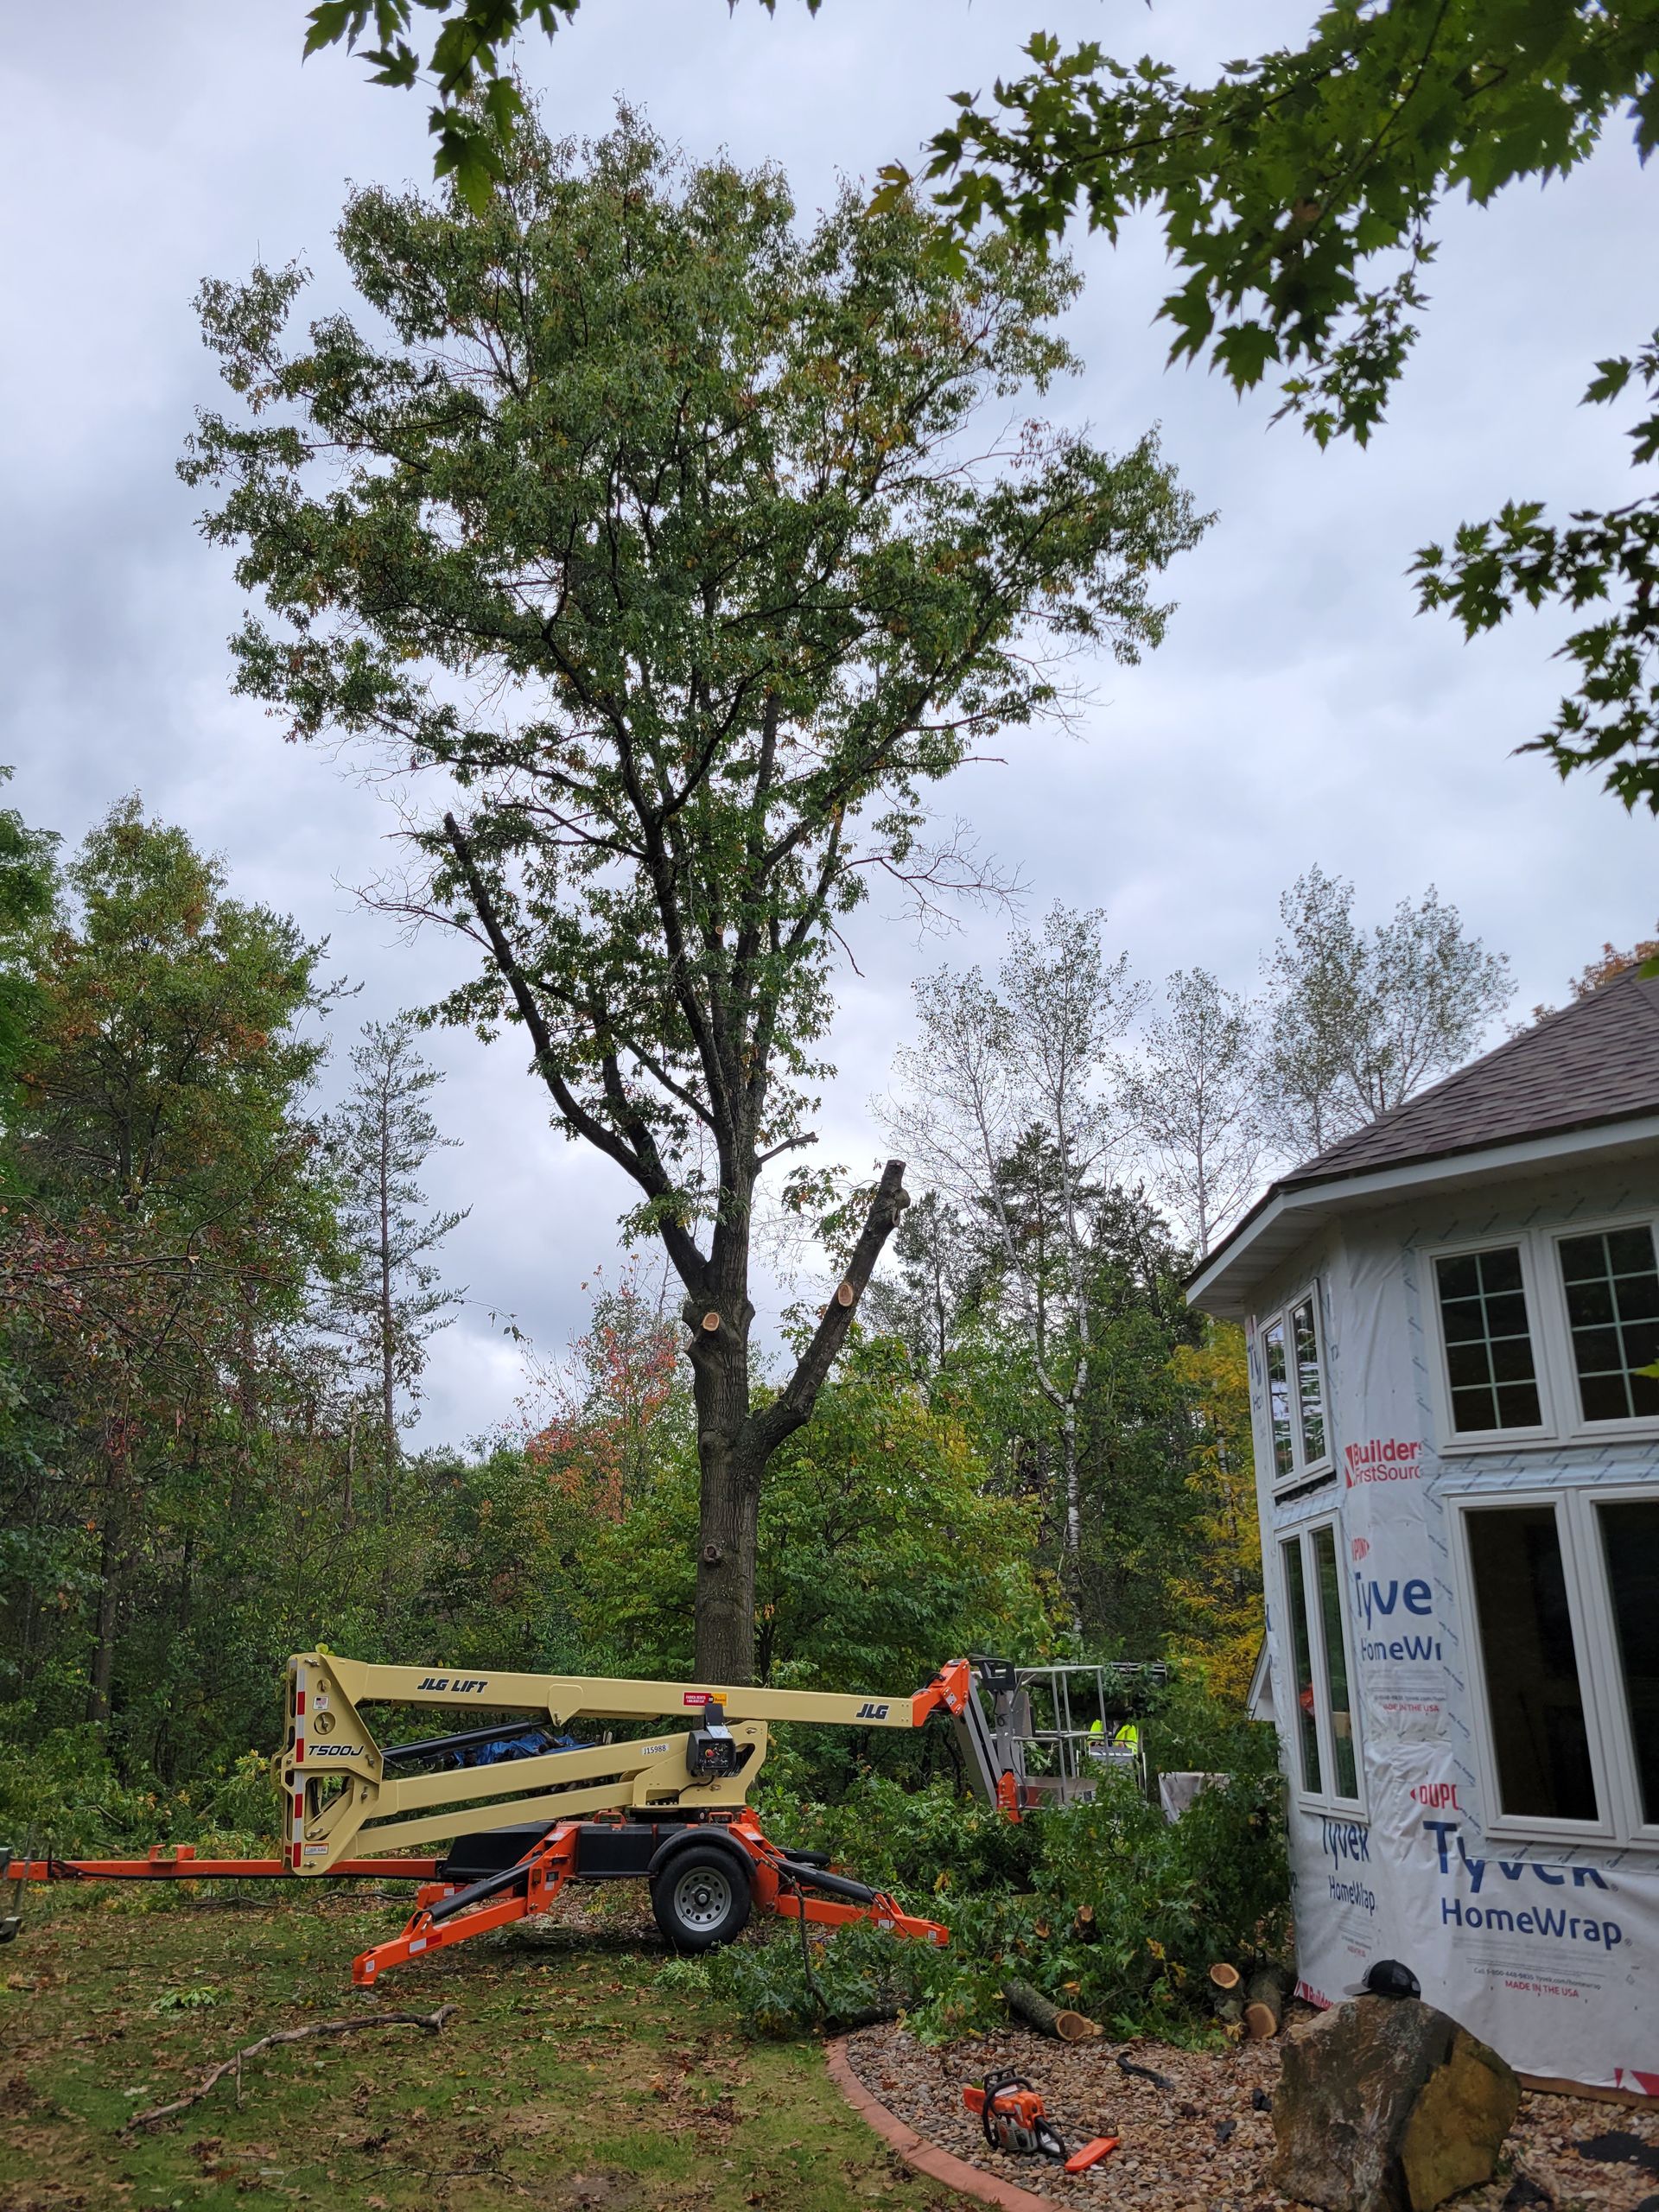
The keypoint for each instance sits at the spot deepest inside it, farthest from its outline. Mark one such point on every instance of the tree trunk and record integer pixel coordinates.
(1072, 1564)
(735, 1441)
(387, 1315)
(729, 1495)
(109, 1580)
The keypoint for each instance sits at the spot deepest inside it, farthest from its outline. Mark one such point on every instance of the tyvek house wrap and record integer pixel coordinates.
(1548, 1952)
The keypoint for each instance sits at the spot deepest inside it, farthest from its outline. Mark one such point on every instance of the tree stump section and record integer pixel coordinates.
(1035, 2010)
(1264, 2002)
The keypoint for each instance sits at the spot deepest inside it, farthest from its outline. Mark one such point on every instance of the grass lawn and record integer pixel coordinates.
(567, 2077)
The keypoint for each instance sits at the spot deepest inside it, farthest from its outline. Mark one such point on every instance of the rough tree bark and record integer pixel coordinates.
(735, 1439)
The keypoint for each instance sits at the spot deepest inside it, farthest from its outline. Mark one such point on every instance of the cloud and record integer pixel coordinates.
(1300, 711)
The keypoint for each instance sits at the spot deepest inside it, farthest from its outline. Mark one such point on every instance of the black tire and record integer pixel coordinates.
(700, 1897)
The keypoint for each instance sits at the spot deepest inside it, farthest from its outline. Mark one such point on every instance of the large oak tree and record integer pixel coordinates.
(1299, 194)
(669, 541)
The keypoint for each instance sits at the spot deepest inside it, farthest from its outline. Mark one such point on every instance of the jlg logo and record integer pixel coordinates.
(462, 1686)
(873, 1711)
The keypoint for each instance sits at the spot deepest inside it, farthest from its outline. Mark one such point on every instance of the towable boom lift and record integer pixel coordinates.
(525, 1807)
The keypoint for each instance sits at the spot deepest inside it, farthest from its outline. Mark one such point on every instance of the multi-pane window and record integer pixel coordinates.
(1293, 1355)
(1544, 1334)
(1491, 1369)
(1327, 1756)
(1611, 1287)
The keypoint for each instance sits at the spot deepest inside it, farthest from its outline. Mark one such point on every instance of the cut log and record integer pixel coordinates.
(1225, 1976)
(1049, 2019)
(1264, 2001)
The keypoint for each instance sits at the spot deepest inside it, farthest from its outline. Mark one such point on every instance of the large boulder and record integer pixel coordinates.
(1385, 2105)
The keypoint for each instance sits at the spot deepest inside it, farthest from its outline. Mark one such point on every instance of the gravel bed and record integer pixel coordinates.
(1203, 2142)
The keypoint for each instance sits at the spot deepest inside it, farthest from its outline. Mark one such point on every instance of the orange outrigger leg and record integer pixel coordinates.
(446, 1914)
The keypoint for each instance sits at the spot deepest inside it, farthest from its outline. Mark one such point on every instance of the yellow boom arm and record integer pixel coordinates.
(343, 1790)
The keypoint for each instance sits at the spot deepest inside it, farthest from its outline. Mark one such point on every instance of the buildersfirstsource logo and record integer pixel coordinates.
(1383, 1459)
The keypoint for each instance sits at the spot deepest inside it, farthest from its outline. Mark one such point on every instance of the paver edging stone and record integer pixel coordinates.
(927, 2157)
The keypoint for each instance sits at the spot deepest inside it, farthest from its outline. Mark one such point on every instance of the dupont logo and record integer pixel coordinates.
(1436, 1797)
(1383, 1459)
(1360, 1549)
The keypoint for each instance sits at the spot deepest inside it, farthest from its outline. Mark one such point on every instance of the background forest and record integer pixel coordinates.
(217, 1294)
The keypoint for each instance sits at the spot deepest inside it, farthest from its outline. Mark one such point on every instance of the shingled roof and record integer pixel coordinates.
(1578, 1075)
(1595, 1061)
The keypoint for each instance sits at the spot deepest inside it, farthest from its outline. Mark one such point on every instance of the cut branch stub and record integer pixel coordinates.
(845, 1294)
(710, 1323)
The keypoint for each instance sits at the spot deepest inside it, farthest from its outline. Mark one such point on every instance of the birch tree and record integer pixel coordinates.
(1004, 1104)
(1358, 1021)
(1191, 1091)
(668, 540)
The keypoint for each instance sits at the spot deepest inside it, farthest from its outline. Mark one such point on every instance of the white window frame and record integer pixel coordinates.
(1605, 1664)
(1577, 1429)
(1590, 1608)
(1544, 1431)
(1324, 1800)
(1301, 1470)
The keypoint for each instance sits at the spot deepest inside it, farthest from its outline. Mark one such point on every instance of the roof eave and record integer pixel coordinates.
(1289, 1212)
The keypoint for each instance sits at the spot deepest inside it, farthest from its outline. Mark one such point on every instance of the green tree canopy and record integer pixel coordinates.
(170, 1216)
(1298, 194)
(646, 524)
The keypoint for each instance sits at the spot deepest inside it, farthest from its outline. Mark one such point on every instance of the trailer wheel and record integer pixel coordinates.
(700, 1897)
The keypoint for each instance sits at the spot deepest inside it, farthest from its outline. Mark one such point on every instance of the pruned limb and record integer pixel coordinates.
(792, 1407)
(1049, 2019)
(431, 2022)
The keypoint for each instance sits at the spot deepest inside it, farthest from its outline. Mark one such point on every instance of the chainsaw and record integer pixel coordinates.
(1012, 2115)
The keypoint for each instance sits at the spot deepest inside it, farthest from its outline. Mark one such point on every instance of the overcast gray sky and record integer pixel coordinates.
(1300, 711)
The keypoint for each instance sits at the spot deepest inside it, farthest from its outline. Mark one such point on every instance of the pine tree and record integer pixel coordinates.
(390, 1302)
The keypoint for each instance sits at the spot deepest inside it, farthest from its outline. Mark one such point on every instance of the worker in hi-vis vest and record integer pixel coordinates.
(1123, 1749)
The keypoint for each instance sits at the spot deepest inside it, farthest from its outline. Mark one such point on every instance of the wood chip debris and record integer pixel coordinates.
(1206, 2141)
